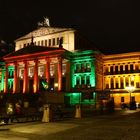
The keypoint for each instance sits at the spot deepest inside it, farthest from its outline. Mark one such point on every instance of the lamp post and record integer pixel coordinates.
(130, 89)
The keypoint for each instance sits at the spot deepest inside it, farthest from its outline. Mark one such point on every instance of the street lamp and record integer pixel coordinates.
(130, 89)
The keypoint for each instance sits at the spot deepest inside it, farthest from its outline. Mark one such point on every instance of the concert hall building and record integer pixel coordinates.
(51, 60)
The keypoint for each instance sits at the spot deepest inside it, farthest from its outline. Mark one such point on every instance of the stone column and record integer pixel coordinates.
(129, 80)
(15, 78)
(25, 77)
(109, 82)
(6, 79)
(59, 74)
(47, 72)
(119, 82)
(124, 83)
(114, 82)
(35, 86)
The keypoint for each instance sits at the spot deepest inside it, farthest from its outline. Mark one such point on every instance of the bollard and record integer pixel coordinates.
(46, 113)
(78, 111)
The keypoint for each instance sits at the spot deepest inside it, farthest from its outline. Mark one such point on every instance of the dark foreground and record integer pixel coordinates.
(119, 126)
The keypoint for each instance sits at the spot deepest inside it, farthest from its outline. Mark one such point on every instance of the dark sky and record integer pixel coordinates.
(113, 25)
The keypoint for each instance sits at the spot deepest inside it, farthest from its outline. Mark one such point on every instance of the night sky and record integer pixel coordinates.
(113, 25)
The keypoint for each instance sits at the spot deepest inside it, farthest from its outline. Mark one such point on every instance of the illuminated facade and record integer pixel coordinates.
(121, 71)
(59, 60)
(49, 60)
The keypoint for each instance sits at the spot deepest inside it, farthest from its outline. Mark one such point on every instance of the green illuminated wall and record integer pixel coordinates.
(10, 77)
(79, 62)
(76, 98)
(82, 60)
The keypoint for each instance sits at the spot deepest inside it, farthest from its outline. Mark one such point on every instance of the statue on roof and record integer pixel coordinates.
(45, 23)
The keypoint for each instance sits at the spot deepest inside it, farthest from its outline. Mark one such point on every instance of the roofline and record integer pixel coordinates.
(23, 37)
(34, 54)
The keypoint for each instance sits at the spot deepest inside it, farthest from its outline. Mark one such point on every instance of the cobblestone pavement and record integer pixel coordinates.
(124, 125)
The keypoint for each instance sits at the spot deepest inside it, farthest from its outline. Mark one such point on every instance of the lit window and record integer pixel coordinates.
(88, 66)
(51, 70)
(41, 71)
(21, 72)
(83, 67)
(63, 69)
(31, 72)
(78, 67)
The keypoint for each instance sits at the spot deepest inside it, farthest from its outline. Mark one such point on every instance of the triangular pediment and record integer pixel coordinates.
(42, 31)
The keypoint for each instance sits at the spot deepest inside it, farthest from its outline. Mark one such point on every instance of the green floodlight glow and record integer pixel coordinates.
(91, 62)
(45, 85)
(10, 83)
(76, 98)
(2, 80)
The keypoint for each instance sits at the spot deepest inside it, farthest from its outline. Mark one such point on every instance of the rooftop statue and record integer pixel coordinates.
(46, 22)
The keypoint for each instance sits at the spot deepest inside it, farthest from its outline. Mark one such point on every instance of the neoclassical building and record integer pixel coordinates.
(120, 72)
(59, 60)
(54, 60)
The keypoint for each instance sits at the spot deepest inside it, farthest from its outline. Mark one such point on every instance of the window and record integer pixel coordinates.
(122, 84)
(83, 80)
(111, 70)
(83, 67)
(21, 73)
(126, 68)
(116, 69)
(57, 41)
(131, 68)
(38, 43)
(31, 71)
(77, 81)
(121, 68)
(49, 42)
(112, 83)
(45, 42)
(63, 69)
(137, 84)
(42, 43)
(117, 84)
(51, 70)
(127, 81)
(122, 99)
(53, 41)
(41, 71)
(88, 67)
(88, 80)
(78, 67)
